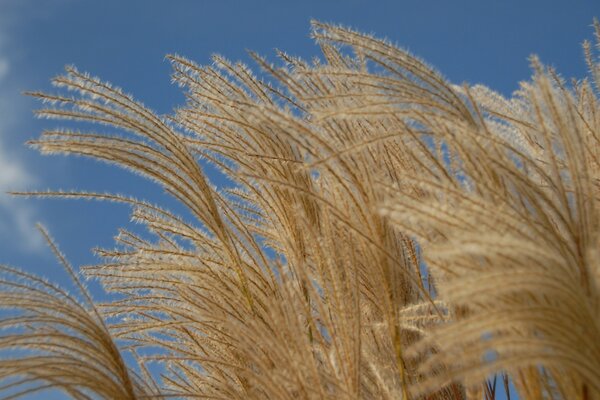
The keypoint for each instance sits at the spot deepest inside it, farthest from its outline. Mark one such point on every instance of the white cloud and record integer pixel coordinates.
(17, 217)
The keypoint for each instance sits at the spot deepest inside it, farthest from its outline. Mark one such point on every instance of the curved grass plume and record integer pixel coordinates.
(387, 235)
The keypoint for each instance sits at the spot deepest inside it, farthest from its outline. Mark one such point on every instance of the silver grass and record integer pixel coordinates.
(427, 236)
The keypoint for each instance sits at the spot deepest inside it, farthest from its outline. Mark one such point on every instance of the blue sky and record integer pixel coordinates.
(125, 41)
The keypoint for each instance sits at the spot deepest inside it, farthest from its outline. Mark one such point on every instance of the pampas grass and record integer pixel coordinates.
(388, 235)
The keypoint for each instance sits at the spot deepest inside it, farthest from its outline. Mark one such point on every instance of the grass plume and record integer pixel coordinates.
(427, 236)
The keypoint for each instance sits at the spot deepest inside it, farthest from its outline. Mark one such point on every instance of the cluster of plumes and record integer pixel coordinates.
(386, 235)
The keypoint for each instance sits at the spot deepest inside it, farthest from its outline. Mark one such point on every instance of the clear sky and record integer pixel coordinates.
(125, 41)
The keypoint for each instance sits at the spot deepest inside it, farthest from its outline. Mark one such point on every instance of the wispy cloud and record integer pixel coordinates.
(17, 218)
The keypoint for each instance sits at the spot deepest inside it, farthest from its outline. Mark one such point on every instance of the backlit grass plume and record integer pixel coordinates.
(386, 235)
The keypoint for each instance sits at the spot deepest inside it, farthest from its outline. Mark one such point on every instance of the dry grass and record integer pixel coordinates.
(427, 236)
